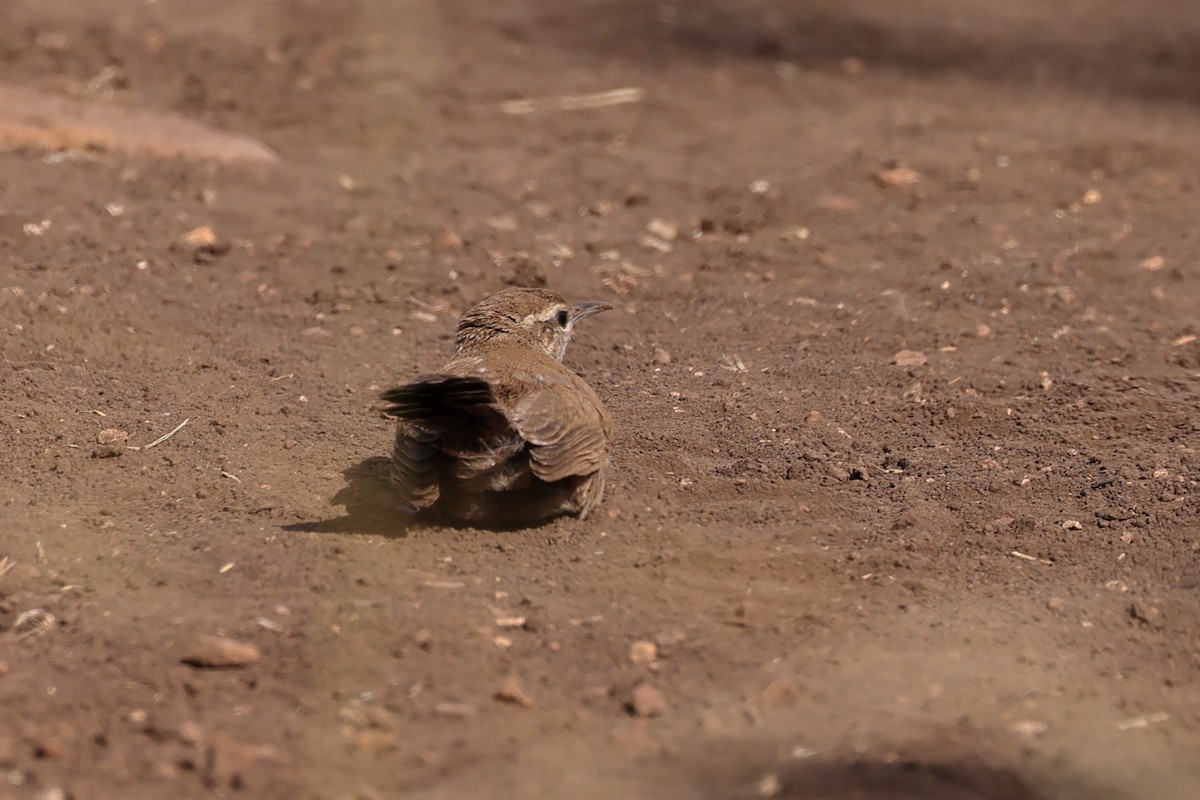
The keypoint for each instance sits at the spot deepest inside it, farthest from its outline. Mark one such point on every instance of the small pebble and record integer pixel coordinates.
(897, 176)
(909, 358)
(643, 652)
(447, 240)
(217, 652)
(511, 691)
(111, 442)
(1027, 727)
(646, 701)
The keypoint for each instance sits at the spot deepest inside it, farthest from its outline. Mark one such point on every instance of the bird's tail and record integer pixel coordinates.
(433, 398)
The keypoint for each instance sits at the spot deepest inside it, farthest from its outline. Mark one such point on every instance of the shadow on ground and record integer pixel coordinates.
(1139, 57)
(902, 780)
(368, 500)
(371, 508)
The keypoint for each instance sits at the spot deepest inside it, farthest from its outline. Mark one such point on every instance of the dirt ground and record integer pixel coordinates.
(904, 367)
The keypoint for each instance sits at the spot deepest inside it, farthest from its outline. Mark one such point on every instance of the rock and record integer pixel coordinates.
(447, 241)
(218, 652)
(909, 358)
(839, 203)
(189, 732)
(1146, 615)
(838, 473)
(511, 691)
(662, 229)
(646, 701)
(202, 243)
(897, 176)
(111, 442)
(643, 652)
(661, 357)
(1072, 525)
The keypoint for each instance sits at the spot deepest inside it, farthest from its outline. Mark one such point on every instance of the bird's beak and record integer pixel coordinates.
(589, 307)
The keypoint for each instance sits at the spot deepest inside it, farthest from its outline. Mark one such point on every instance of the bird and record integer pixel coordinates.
(504, 433)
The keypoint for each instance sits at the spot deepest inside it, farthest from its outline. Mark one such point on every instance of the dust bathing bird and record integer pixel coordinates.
(504, 433)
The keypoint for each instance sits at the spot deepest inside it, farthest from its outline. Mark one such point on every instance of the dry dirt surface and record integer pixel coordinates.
(904, 362)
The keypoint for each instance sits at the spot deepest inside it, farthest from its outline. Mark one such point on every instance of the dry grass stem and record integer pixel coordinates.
(164, 437)
(577, 102)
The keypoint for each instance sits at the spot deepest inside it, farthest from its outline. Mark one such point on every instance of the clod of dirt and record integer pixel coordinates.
(229, 763)
(203, 243)
(909, 358)
(779, 693)
(1146, 615)
(447, 241)
(511, 691)
(111, 443)
(646, 701)
(643, 652)
(189, 732)
(897, 176)
(662, 229)
(218, 652)
(839, 203)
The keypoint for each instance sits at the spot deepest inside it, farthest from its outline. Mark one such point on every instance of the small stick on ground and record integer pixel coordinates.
(578, 102)
(1027, 557)
(225, 474)
(164, 437)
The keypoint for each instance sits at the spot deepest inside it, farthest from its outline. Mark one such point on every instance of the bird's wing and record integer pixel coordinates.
(414, 465)
(565, 425)
(446, 422)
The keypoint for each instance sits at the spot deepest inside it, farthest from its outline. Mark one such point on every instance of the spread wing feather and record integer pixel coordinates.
(454, 425)
(567, 428)
(443, 419)
(414, 468)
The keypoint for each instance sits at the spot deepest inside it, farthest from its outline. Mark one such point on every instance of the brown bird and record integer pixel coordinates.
(504, 433)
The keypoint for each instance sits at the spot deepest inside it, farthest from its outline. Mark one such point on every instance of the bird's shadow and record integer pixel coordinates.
(372, 508)
(369, 500)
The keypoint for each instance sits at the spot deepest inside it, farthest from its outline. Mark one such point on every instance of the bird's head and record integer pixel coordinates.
(533, 318)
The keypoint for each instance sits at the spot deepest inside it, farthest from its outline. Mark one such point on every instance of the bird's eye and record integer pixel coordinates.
(562, 318)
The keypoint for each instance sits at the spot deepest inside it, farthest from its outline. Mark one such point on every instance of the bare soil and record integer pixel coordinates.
(904, 366)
